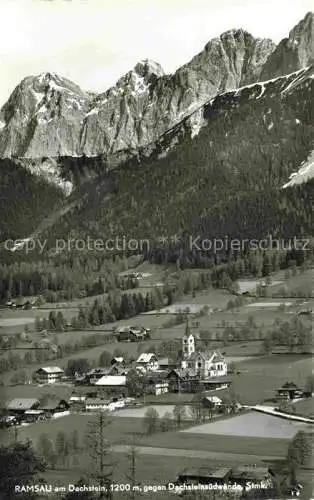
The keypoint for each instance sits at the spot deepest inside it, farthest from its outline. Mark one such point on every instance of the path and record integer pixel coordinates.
(269, 410)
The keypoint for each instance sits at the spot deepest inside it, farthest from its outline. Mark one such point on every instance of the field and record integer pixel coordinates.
(251, 425)
(150, 471)
(122, 430)
(140, 412)
(305, 407)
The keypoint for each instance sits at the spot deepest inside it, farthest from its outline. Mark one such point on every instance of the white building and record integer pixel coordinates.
(188, 348)
(94, 404)
(111, 381)
(207, 364)
(147, 362)
(49, 375)
(203, 363)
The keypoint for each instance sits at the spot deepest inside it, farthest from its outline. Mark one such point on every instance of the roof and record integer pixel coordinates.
(213, 356)
(146, 357)
(99, 371)
(213, 399)
(182, 373)
(217, 380)
(251, 471)
(159, 376)
(51, 369)
(289, 385)
(51, 404)
(112, 380)
(166, 361)
(221, 472)
(96, 401)
(22, 404)
(123, 329)
(118, 359)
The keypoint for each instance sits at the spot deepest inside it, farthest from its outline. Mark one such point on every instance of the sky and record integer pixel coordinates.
(94, 42)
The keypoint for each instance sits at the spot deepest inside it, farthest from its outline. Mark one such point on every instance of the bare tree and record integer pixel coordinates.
(99, 450)
(132, 474)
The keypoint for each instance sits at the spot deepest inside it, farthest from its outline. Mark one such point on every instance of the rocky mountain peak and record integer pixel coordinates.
(48, 115)
(147, 67)
(236, 34)
(294, 52)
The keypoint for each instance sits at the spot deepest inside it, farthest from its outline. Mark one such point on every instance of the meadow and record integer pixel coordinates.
(251, 424)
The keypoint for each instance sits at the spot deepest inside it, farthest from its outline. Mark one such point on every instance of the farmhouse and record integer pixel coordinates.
(166, 364)
(183, 381)
(211, 402)
(19, 406)
(244, 474)
(147, 362)
(189, 381)
(31, 416)
(119, 361)
(113, 384)
(215, 383)
(157, 383)
(52, 406)
(96, 404)
(289, 391)
(204, 475)
(227, 475)
(132, 333)
(97, 373)
(77, 402)
(49, 375)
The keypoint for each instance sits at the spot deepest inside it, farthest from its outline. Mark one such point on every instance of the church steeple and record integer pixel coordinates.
(187, 327)
(188, 343)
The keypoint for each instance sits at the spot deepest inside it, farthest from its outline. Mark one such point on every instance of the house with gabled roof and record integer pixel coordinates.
(147, 361)
(19, 406)
(289, 391)
(49, 374)
(52, 406)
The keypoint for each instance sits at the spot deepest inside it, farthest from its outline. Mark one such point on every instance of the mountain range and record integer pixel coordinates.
(212, 145)
(48, 116)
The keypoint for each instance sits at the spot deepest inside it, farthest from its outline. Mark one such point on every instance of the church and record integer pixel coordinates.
(205, 364)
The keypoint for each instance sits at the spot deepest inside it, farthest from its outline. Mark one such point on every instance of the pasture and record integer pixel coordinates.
(251, 425)
(122, 431)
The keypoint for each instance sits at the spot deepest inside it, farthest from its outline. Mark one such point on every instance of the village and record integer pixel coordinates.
(210, 406)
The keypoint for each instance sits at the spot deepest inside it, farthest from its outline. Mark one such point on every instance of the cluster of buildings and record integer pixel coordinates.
(248, 478)
(107, 388)
(28, 410)
(198, 371)
(22, 303)
(132, 334)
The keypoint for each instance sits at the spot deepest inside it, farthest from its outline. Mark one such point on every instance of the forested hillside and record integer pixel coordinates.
(24, 200)
(227, 180)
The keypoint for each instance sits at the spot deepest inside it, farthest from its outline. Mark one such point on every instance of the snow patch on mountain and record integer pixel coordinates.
(304, 174)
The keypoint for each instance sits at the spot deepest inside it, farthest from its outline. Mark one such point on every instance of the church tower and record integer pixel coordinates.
(188, 345)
